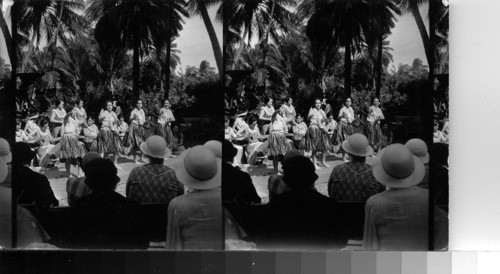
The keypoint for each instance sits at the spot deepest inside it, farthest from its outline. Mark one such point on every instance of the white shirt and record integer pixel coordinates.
(346, 114)
(137, 116)
(316, 116)
(374, 114)
(166, 115)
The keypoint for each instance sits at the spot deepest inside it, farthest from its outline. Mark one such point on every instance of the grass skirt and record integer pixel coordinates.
(108, 141)
(71, 147)
(344, 131)
(165, 131)
(44, 152)
(135, 136)
(275, 145)
(375, 134)
(316, 140)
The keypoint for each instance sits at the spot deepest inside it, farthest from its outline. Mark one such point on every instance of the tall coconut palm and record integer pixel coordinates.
(6, 34)
(131, 24)
(344, 22)
(412, 6)
(267, 18)
(51, 20)
(200, 7)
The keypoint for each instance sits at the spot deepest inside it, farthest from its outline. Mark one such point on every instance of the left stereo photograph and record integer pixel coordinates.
(111, 119)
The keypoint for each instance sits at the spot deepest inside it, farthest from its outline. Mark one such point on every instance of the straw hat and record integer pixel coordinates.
(5, 158)
(156, 147)
(419, 149)
(198, 168)
(215, 146)
(395, 166)
(357, 145)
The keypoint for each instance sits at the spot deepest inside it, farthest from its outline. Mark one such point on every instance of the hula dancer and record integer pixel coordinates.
(375, 115)
(253, 134)
(108, 139)
(80, 115)
(72, 150)
(57, 117)
(136, 131)
(346, 117)
(164, 123)
(276, 145)
(316, 139)
(265, 115)
(46, 146)
(289, 110)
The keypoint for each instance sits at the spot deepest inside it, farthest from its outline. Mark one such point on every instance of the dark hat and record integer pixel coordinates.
(101, 174)
(228, 150)
(22, 153)
(299, 171)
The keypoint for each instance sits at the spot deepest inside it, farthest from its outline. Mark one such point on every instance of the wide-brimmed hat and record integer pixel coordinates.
(299, 171)
(198, 168)
(357, 145)
(22, 153)
(156, 147)
(5, 150)
(215, 146)
(419, 149)
(228, 150)
(396, 166)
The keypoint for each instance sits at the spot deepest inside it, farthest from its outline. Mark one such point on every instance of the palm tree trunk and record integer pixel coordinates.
(379, 66)
(213, 36)
(54, 45)
(421, 29)
(347, 62)
(266, 38)
(136, 65)
(237, 55)
(6, 35)
(167, 69)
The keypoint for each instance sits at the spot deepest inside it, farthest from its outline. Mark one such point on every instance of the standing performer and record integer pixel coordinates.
(253, 134)
(46, 147)
(136, 131)
(90, 133)
(57, 117)
(290, 112)
(108, 139)
(316, 139)
(375, 115)
(346, 117)
(276, 145)
(80, 115)
(72, 150)
(265, 115)
(165, 121)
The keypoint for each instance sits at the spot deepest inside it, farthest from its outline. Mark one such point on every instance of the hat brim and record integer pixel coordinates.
(382, 177)
(424, 159)
(348, 149)
(186, 179)
(144, 148)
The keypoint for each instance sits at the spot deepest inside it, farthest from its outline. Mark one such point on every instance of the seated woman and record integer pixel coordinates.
(90, 132)
(230, 135)
(46, 149)
(31, 128)
(21, 136)
(299, 130)
(253, 134)
(177, 140)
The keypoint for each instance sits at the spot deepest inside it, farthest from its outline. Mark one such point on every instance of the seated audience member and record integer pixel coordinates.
(397, 219)
(299, 130)
(386, 136)
(46, 150)
(90, 132)
(300, 217)
(29, 230)
(353, 181)
(21, 136)
(31, 128)
(154, 183)
(419, 149)
(122, 127)
(240, 126)
(195, 218)
(275, 183)
(31, 186)
(230, 135)
(253, 134)
(177, 140)
(437, 135)
(76, 187)
(104, 218)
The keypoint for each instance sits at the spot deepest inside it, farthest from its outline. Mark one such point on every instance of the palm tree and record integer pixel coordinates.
(6, 34)
(343, 22)
(52, 19)
(136, 25)
(200, 7)
(412, 6)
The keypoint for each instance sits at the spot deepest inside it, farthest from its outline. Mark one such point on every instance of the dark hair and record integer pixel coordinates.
(273, 117)
(267, 99)
(78, 101)
(348, 98)
(66, 118)
(58, 102)
(43, 122)
(373, 99)
(120, 116)
(299, 115)
(226, 119)
(251, 120)
(90, 117)
(106, 104)
(101, 174)
(154, 160)
(313, 105)
(18, 121)
(287, 99)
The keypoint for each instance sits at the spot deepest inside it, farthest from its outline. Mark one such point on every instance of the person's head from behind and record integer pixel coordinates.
(90, 156)
(358, 147)
(101, 175)
(22, 154)
(299, 172)
(228, 151)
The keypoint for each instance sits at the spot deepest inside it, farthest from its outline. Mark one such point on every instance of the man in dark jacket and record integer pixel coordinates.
(104, 218)
(30, 186)
(300, 217)
(238, 191)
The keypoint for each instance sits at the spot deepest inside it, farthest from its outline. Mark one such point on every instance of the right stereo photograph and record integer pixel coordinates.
(336, 125)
